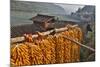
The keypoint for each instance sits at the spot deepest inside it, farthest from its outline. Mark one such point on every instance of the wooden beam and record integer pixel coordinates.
(20, 39)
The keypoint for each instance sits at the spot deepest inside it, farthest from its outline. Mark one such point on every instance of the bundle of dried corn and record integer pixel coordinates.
(20, 55)
(59, 49)
(67, 50)
(26, 54)
(72, 50)
(53, 46)
(47, 48)
(36, 56)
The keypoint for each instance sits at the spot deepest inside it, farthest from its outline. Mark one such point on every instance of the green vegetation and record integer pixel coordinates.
(87, 55)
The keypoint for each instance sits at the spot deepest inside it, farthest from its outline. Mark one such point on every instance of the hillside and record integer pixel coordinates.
(37, 7)
(22, 11)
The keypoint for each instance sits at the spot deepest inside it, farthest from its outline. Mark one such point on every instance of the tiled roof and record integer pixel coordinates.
(42, 18)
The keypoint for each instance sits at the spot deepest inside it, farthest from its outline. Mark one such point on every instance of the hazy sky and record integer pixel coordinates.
(70, 8)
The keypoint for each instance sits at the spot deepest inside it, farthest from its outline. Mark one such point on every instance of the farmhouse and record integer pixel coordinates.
(43, 21)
